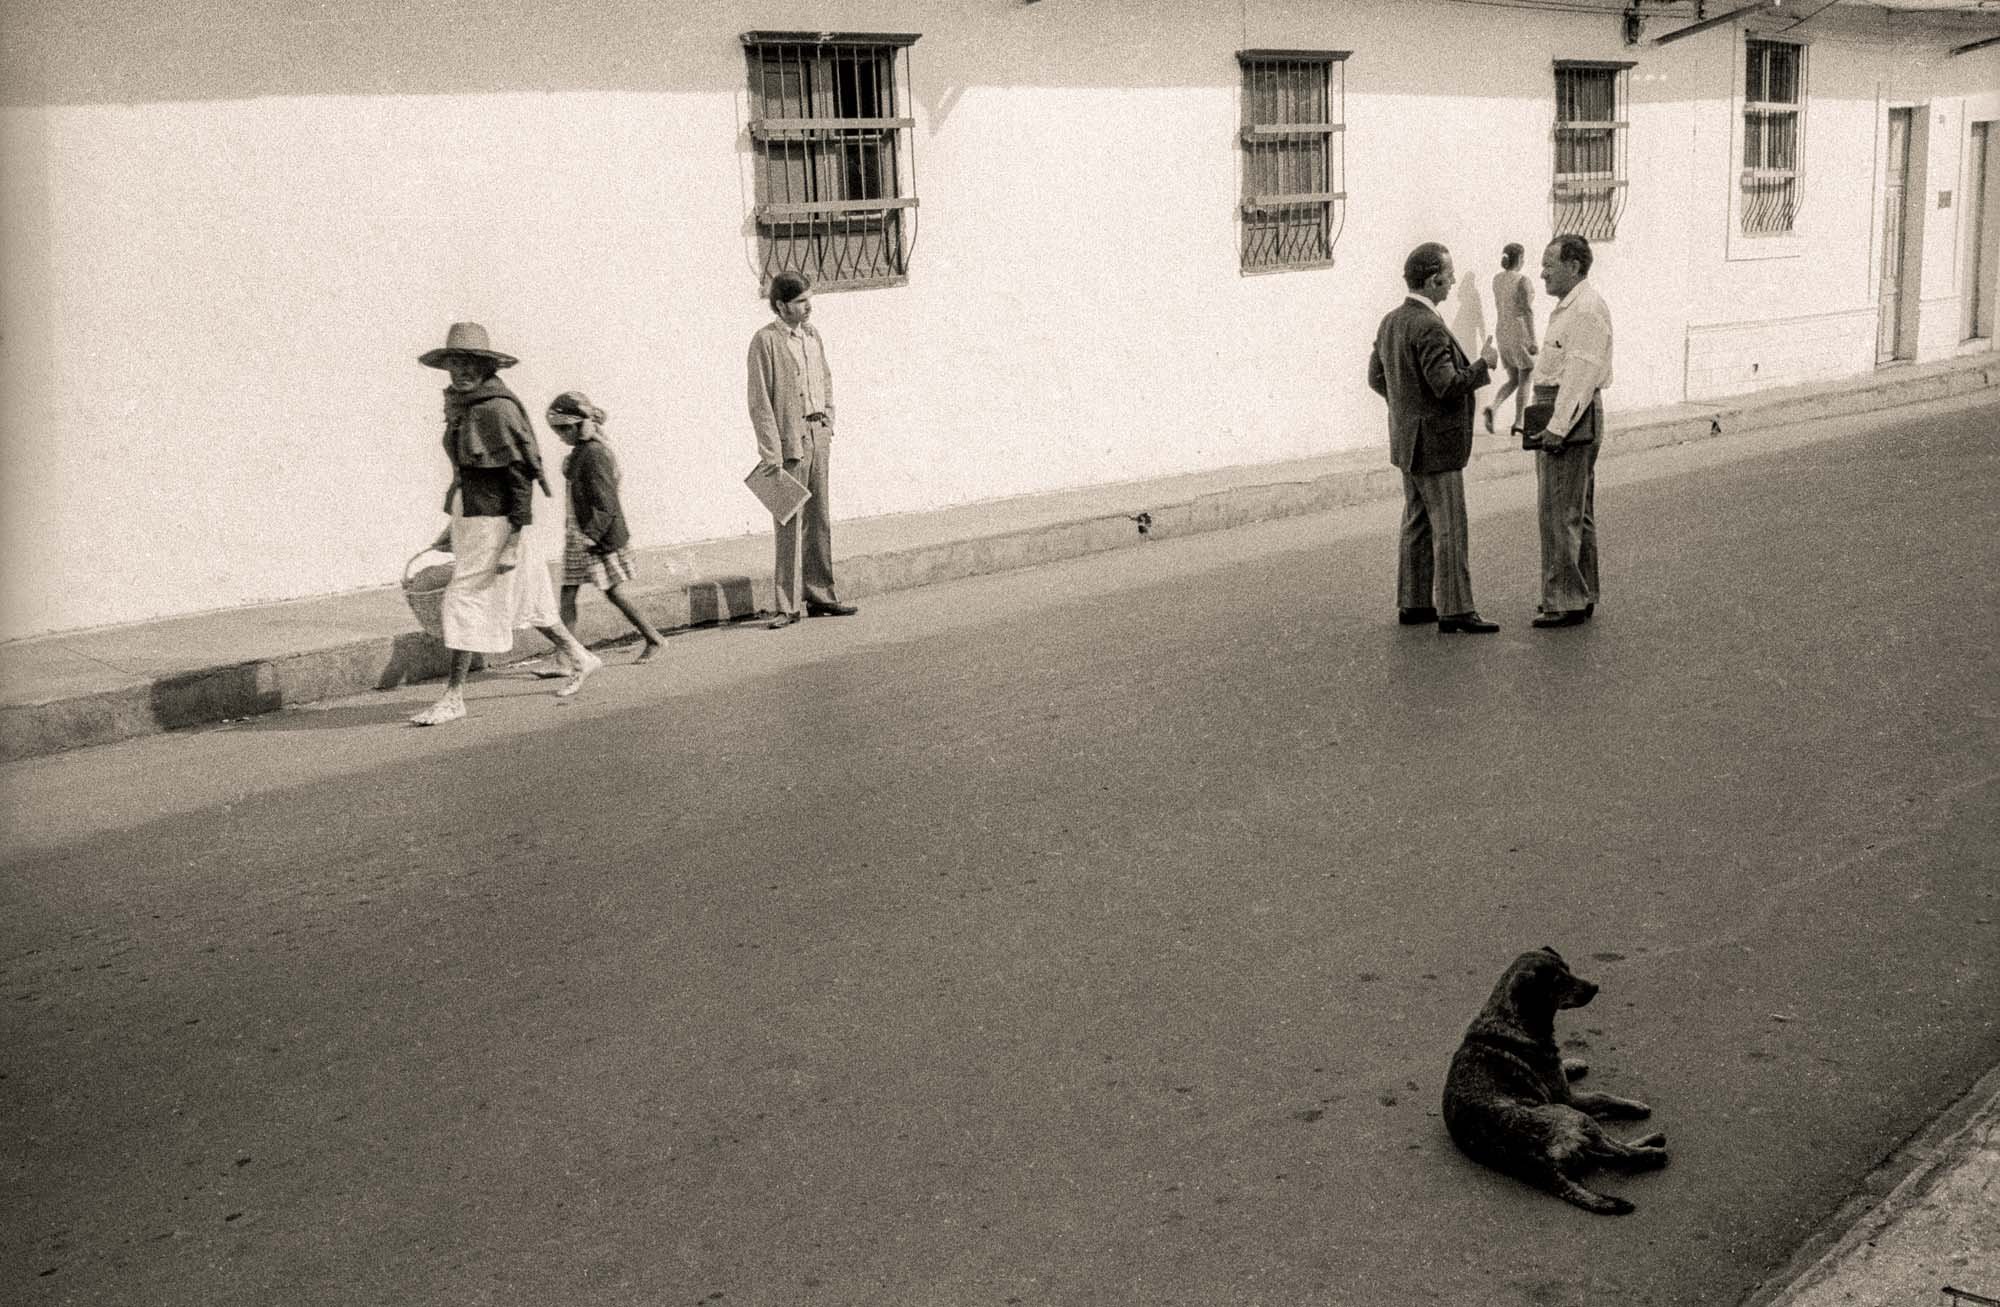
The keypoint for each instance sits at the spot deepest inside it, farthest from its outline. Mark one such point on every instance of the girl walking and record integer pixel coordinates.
(594, 548)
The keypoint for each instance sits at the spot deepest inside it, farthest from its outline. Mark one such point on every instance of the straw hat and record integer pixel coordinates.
(466, 338)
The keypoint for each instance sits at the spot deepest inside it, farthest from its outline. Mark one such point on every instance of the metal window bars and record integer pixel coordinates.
(1773, 115)
(835, 168)
(1587, 195)
(1294, 120)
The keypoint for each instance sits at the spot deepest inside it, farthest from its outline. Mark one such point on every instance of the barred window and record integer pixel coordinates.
(1293, 167)
(1773, 96)
(1591, 124)
(835, 184)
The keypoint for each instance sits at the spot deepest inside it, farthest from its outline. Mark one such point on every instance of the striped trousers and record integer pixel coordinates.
(1431, 551)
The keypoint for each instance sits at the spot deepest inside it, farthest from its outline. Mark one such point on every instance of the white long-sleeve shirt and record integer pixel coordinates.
(1576, 354)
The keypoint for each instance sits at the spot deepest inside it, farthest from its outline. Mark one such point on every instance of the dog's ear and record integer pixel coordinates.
(1550, 950)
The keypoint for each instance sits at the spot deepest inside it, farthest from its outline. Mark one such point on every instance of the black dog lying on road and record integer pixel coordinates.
(1507, 1100)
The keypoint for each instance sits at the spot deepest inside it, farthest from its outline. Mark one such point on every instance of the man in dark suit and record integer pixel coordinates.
(1418, 367)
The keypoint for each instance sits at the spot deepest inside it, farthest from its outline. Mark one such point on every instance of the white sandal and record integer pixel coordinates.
(591, 662)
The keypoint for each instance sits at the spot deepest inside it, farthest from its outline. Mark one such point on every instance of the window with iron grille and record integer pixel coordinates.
(1591, 123)
(1294, 200)
(1773, 101)
(835, 184)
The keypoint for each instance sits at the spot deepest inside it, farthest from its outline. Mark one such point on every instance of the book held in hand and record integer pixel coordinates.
(779, 491)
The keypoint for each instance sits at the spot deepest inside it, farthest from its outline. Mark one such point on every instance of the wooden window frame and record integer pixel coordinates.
(1589, 202)
(1294, 201)
(1769, 196)
(834, 160)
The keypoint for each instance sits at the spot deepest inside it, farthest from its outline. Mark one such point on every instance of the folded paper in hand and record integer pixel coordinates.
(780, 491)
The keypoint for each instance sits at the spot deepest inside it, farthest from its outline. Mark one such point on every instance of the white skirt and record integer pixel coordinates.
(483, 607)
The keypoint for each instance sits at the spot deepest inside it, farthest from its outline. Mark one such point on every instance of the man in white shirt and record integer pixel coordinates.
(1574, 366)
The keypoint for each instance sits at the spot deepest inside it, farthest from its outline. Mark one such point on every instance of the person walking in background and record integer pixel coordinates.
(594, 532)
(498, 584)
(791, 410)
(1514, 329)
(1576, 367)
(1418, 367)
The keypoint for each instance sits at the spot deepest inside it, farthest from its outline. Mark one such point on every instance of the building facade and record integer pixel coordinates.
(1061, 243)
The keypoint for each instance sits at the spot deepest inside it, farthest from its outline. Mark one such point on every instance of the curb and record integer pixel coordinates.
(223, 692)
(1837, 1263)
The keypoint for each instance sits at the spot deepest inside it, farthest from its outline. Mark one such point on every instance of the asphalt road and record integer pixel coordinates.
(1093, 935)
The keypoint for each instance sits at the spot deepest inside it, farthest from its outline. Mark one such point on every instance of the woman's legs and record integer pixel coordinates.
(1518, 379)
(638, 619)
(1515, 385)
(451, 704)
(582, 662)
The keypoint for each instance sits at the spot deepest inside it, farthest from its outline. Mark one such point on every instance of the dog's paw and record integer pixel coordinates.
(1575, 1068)
(1657, 1139)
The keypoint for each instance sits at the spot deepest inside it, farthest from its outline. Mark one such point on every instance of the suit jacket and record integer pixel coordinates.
(776, 412)
(1418, 367)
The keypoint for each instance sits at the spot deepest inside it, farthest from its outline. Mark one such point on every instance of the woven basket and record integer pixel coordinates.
(425, 592)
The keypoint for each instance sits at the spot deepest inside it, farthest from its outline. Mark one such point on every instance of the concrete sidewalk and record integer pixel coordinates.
(1926, 1224)
(94, 687)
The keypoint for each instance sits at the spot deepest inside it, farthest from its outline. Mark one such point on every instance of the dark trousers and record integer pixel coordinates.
(1566, 506)
(1434, 544)
(805, 543)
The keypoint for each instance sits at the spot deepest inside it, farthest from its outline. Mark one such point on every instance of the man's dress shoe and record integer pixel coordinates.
(1466, 624)
(1416, 616)
(781, 621)
(831, 610)
(1574, 617)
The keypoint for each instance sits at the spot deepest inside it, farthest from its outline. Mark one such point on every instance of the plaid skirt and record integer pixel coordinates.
(584, 563)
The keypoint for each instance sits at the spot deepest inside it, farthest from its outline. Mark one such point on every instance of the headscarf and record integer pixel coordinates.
(573, 408)
(566, 408)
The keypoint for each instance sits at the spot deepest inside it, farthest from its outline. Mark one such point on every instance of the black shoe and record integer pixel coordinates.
(1416, 616)
(1467, 623)
(1574, 617)
(831, 610)
(781, 621)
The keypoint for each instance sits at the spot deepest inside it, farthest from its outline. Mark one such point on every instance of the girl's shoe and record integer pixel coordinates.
(1487, 413)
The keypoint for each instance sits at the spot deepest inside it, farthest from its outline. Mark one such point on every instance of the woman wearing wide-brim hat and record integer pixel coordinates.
(499, 584)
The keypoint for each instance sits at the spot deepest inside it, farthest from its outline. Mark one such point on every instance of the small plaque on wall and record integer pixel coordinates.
(1944, 199)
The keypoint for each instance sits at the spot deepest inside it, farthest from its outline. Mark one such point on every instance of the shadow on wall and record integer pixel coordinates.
(73, 52)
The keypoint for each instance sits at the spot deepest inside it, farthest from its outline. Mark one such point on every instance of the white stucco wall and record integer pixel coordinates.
(222, 259)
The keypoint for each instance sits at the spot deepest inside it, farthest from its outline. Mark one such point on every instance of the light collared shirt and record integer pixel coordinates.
(814, 383)
(1576, 354)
